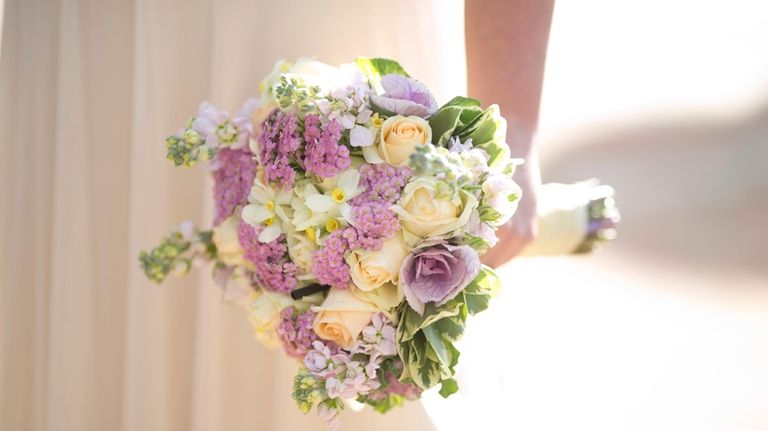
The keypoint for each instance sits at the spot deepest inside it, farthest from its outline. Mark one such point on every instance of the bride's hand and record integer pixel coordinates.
(521, 229)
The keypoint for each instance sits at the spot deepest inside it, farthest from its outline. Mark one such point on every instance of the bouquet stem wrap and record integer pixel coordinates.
(573, 219)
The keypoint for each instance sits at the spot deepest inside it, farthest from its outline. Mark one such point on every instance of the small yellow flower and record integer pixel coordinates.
(376, 120)
(338, 195)
(270, 205)
(331, 225)
(311, 235)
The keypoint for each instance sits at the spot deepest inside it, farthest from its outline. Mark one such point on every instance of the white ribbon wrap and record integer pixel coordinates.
(562, 218)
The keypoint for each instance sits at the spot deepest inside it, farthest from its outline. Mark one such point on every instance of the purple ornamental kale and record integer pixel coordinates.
(437, 272)
(405, 96)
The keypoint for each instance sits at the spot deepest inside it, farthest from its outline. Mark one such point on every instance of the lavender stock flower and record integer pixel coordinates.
(437, 272)
(405, 96)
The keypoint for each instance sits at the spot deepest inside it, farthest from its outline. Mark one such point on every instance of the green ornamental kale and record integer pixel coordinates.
(426, 342)
(463, 118)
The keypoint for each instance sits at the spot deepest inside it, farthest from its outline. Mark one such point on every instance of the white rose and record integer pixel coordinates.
(370, 270)
(265, 314)
(426, 214)
(227, 245)
(327, 77)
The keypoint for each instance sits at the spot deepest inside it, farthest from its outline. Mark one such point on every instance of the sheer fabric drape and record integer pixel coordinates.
(88, 92)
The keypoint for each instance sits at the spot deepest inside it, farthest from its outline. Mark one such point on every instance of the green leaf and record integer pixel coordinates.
(463, 117)
(425, 342)
(386, 404)
(453, 117)
(412, 322)
(489, 132)
(479, 292)
(417, 366)
(375, 68)
(443, 123)
(454, 361)
(488, 214)
(462, 101)
(448, 387)
(442, 354)
(449, 329)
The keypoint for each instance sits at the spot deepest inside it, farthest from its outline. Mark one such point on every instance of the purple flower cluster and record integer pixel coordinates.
(278, 140)
(375, 222)
(382, 183)
(219, 130)
(232, 179)
(377, 340)
(344, 376)
(295, 331)
(324, 156)
(372, 219)
(272, 268)
(357, 239)
(323, 360)
(328, 263)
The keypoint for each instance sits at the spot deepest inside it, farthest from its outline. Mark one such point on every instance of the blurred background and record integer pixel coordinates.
(667, 327)
(664, 329)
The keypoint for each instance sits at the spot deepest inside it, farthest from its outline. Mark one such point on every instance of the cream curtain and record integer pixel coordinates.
(88, 91)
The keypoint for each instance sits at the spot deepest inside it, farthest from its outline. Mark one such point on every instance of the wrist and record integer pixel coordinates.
(521, 140)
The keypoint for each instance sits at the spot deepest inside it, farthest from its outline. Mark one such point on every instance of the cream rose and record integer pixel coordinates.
(300, 249)
(399, 137)
(342, 317)
(385, 298)
(227, 245)
(265, 314)
(424, 213)
(370, 270)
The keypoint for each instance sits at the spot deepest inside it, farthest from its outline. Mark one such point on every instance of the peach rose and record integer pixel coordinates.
(342, 317)
(400, 136)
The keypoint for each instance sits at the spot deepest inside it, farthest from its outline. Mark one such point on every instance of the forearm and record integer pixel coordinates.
(506, 48)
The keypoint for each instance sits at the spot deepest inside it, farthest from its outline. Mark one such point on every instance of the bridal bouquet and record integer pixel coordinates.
(350, 216)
